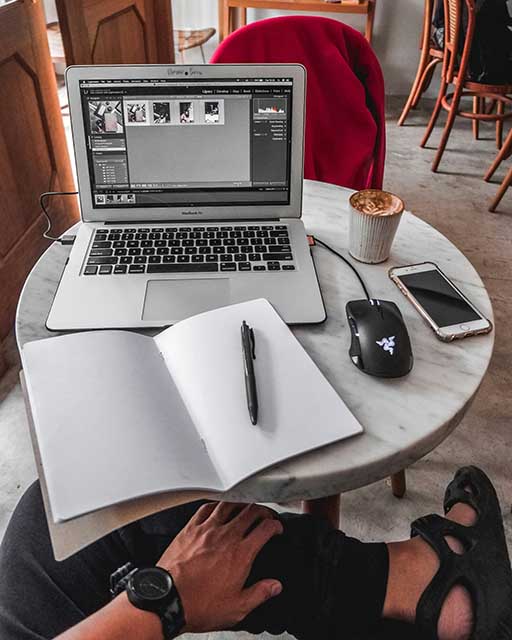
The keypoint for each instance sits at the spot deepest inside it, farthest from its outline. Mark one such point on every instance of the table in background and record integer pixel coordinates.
(233, 13)
(403, 418)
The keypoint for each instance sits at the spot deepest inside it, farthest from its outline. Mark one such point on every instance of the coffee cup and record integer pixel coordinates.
(374, 216)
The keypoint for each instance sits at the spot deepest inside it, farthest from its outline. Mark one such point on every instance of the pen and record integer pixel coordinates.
(248, 355)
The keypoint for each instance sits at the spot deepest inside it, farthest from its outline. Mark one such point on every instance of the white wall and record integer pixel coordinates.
(396, 33)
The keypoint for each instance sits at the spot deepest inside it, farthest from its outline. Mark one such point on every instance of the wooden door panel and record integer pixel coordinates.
(121, 39)
(116, 31)
(33, 152)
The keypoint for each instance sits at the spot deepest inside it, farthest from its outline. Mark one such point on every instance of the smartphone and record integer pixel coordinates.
(446, 309)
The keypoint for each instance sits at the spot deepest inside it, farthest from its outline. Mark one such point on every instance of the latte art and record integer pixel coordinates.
(373, 202)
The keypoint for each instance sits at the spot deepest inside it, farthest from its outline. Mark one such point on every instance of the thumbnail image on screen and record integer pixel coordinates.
(105, 116)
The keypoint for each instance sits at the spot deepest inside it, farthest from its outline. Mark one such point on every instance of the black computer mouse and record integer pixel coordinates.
(380, 343)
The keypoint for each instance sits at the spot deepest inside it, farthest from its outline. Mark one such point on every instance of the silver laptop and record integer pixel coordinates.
(190, 182)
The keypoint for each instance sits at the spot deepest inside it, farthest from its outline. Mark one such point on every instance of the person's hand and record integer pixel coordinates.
(211, 558)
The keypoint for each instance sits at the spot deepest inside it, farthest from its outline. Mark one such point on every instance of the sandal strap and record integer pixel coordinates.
(453, 569)
(456, 491)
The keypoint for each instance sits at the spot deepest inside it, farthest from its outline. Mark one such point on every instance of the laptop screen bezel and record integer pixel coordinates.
(75, 74)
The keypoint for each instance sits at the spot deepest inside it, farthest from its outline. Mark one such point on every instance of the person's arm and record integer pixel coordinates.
(210, 560)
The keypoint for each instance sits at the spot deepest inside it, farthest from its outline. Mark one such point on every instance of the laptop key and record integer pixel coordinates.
(146, 243)
(168, 259)
(90, 271)
(176, 251)
(183, 258)
(132, 244)
(276, 256)
(105, 260)
(96, 253)
(218, 249)
(101, 245)
(119, 244)
(274, 267)
(137, 268)
(190, 250)
(120, 268)
(244, 266)
(134, 252)
(105, 270)
(139, 260)
(183, 268)
(120, 252)
(125, 260)
(155, 259)
(288, 267)
(240, 257)
(259, 267)
(253, 256)
(162, 251)
(278, 234)
(205, 250)
(197, 258)
(228, 266)
(212, 258)
(226, 258)
(149, 251)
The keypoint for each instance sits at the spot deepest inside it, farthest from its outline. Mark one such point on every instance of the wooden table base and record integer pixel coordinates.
(328, 508)
(398, 484)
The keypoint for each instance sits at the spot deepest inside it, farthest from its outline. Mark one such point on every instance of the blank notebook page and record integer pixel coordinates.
(298, 409)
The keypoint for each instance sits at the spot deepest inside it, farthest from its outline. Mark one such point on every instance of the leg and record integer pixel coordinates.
(500, 110)
(415, 93)
(452, 113)
(501, 191)
(370, 18)
(504, 152)
(398, 484)
(222, 11)
(435, 113)
(328, 508)
(475, 122)
(65, 592)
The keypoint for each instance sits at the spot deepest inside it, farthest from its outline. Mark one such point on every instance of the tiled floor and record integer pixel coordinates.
(455, 201)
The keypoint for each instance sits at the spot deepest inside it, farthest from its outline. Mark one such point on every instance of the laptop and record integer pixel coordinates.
(190, 182)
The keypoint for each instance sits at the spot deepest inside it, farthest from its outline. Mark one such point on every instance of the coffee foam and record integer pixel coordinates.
(374, 202)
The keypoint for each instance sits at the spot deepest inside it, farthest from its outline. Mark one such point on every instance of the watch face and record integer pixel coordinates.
(152, 583)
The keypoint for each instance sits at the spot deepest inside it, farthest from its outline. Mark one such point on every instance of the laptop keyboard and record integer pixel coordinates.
(208, 249)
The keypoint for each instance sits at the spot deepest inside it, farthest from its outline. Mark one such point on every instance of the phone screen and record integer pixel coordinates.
(439, 299)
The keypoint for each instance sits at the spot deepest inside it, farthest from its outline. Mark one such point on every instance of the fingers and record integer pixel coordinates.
(203, 513)
(250, 515)
(259, 537)
(260, 593)
(224, 511)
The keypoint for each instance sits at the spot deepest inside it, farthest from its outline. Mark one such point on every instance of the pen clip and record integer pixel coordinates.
(253, 343)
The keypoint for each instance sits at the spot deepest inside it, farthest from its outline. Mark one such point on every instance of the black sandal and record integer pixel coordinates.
(483, 568)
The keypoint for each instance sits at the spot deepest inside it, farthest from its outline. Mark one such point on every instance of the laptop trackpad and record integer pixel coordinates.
(173, 300)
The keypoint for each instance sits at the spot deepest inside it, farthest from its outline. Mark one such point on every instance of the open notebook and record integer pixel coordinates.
(118, 415)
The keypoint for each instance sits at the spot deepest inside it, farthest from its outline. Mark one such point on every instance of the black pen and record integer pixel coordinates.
(248, 355)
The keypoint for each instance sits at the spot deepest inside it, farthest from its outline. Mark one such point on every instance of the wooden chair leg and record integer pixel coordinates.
(500, 110)
(505, 152)
(398, 484)
(501, 191)
(435, 113)
(475, 122)
(452, 114)
(328, 508)
(414, 95)
(426, 80)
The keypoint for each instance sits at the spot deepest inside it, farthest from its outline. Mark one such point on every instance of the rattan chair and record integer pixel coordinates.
(430, 57)
(454, 74)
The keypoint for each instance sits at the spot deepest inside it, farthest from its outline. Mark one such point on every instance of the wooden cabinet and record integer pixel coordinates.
(116, 31)
(33, 152)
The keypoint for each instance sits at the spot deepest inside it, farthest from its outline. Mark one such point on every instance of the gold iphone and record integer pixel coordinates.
(446, 309)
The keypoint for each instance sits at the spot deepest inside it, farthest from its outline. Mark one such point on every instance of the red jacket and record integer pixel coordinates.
(345, 127)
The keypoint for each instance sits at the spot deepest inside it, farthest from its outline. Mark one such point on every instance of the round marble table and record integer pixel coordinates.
(403, 419)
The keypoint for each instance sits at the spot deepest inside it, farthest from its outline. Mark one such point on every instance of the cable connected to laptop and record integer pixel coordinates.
(65, 239)
(316, 240)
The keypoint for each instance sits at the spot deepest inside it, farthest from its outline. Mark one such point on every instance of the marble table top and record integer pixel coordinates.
(404, 418)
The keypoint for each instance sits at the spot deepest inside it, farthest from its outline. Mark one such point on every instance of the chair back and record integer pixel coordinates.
(345, 128)
(459, 31)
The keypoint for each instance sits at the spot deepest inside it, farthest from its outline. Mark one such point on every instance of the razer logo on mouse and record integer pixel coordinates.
(388, 344)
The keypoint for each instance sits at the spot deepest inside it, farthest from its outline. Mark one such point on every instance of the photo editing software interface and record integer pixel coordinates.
(188, 142)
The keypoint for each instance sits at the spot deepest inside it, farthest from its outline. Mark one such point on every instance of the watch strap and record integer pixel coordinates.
(119, 579)
(173, 619)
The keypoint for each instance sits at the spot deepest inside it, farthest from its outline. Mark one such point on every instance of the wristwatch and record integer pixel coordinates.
(151, 589)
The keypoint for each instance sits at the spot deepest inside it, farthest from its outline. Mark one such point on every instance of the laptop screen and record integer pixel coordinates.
(186, 142)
